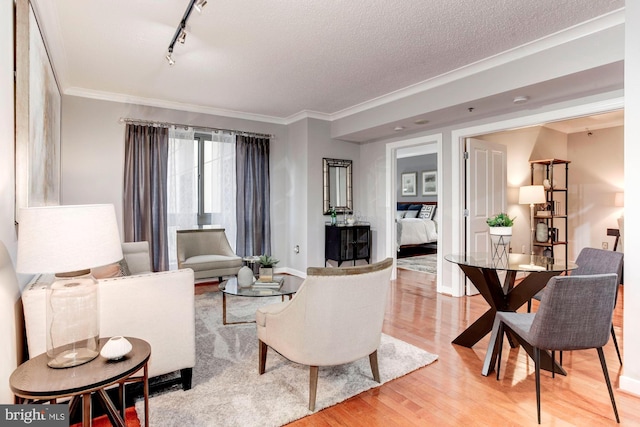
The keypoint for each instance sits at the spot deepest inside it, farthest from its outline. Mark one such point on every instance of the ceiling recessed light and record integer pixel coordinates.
(398, 128)
(421, 121)
(520, 99)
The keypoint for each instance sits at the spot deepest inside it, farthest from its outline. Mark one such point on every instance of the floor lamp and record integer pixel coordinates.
(530, 195)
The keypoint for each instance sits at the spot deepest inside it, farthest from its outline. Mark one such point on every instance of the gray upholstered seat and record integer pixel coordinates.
(574, 314)
(596, 261)
(207, 252)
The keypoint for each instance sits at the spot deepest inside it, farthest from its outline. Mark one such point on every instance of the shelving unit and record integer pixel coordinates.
(557, 195)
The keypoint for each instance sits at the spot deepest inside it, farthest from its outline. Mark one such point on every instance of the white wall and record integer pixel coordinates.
(596, 174)
(320, 145)
(9, 298)
(630, 380)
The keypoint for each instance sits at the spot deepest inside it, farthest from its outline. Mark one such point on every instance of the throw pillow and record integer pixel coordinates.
(117, 269)
(400, 214)
(411, 214)
(427, 211)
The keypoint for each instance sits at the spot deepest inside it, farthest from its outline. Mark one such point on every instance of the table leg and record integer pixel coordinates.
(224, 308)
(478, 329)
(86, 410)
(110, 408)
(146, 394)
(121, 400)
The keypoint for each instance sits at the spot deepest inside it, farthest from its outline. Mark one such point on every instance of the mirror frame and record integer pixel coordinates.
(326, 185)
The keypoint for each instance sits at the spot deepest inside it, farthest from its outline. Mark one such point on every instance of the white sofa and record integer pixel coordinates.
(157, 307)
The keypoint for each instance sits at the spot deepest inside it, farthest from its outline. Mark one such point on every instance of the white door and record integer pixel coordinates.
(486, 193)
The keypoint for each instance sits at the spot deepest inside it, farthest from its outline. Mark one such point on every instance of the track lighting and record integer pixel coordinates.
(182, 37)
(181, 34)
(200, 4)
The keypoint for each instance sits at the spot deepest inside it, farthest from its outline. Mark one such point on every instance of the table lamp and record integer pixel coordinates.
(530, 195)
(68, 241)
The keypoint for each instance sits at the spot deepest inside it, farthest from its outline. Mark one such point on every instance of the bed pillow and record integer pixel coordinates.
(427, 211)
(400, 214)
(411, 214)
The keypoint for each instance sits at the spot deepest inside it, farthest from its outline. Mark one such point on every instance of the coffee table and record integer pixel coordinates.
(34, 381)
(230, 287)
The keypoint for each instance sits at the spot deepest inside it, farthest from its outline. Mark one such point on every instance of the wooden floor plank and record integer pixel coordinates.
(452, 392)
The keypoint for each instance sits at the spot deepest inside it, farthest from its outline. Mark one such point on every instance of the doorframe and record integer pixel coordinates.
(458, 137)
(391, 149)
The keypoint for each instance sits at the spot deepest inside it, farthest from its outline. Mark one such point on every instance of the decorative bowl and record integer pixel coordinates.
(116, 348)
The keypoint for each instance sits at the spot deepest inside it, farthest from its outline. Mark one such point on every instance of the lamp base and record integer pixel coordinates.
(73, 329)
(72, 357)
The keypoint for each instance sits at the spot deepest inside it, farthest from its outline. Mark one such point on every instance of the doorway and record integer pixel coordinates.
(458, 183)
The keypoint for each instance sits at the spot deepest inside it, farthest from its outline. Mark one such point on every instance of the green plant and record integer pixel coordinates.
(267, 261)
(500, 220)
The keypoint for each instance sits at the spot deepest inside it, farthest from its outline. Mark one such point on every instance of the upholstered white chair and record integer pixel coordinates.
(207, 252)
(335, 318)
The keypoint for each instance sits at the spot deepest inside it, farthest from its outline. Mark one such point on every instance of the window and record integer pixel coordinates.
(201, 184)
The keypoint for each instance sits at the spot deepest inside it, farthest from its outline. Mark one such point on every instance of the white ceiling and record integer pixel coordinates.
(275, 59)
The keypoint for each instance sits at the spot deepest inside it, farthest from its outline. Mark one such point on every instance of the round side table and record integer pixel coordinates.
(34, 381)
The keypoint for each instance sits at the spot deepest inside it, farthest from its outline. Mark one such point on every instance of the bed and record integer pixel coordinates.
(416, 225)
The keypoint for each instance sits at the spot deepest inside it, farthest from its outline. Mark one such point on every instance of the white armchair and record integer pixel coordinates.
(157, 307)
(335, 318)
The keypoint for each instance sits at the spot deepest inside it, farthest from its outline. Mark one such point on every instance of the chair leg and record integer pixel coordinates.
(536, 360)
(313, 386)
(608, 381)
(186, 375)
(500, 341)
(553, 363)
(529, 306)
(373, 361)
(615, 342)
(262, 357)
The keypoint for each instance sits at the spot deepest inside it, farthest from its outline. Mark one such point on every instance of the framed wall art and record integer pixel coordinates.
(429, 183)
(38, 110)
(409, 184)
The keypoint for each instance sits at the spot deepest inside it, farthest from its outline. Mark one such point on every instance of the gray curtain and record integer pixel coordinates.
(145, 190)
(252, 200)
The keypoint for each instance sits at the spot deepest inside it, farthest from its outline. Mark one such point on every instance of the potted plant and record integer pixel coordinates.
(500, 228)
(266, 267)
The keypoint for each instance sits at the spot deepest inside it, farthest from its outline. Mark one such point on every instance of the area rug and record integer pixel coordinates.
(227, 390)
(422, 263)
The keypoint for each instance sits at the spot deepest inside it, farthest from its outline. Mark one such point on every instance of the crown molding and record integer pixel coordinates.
(159, 103)
(567, 35)
(593, 26)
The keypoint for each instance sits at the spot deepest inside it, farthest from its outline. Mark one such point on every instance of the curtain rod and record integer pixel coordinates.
(180, 125)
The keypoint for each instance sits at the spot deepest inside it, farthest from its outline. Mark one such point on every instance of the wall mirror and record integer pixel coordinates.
(336, 185)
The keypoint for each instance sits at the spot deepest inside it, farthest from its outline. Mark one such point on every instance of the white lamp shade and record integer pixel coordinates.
(60, 239)
(532, 194)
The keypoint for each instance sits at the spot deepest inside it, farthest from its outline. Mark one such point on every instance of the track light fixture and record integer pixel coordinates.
(200, 4)
(181, 34)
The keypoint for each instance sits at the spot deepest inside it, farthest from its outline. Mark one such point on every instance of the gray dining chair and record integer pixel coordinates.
(595, 261)
(575, 314)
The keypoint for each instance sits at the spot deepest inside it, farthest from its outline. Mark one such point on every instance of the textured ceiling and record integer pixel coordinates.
(278, 58)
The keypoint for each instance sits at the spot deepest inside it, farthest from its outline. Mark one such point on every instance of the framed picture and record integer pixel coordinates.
(429, 183)
(38, 110)
(409, 184)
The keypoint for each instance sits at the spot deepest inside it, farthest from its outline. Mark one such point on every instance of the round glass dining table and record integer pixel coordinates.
(482, 269)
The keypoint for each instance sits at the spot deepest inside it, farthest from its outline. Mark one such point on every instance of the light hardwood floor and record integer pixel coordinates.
(452, 392)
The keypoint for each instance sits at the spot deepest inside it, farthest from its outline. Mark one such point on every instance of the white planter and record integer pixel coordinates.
(500, 235)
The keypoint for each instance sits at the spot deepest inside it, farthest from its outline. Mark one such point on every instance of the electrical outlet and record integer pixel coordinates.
(296, 249)
(605, 245)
